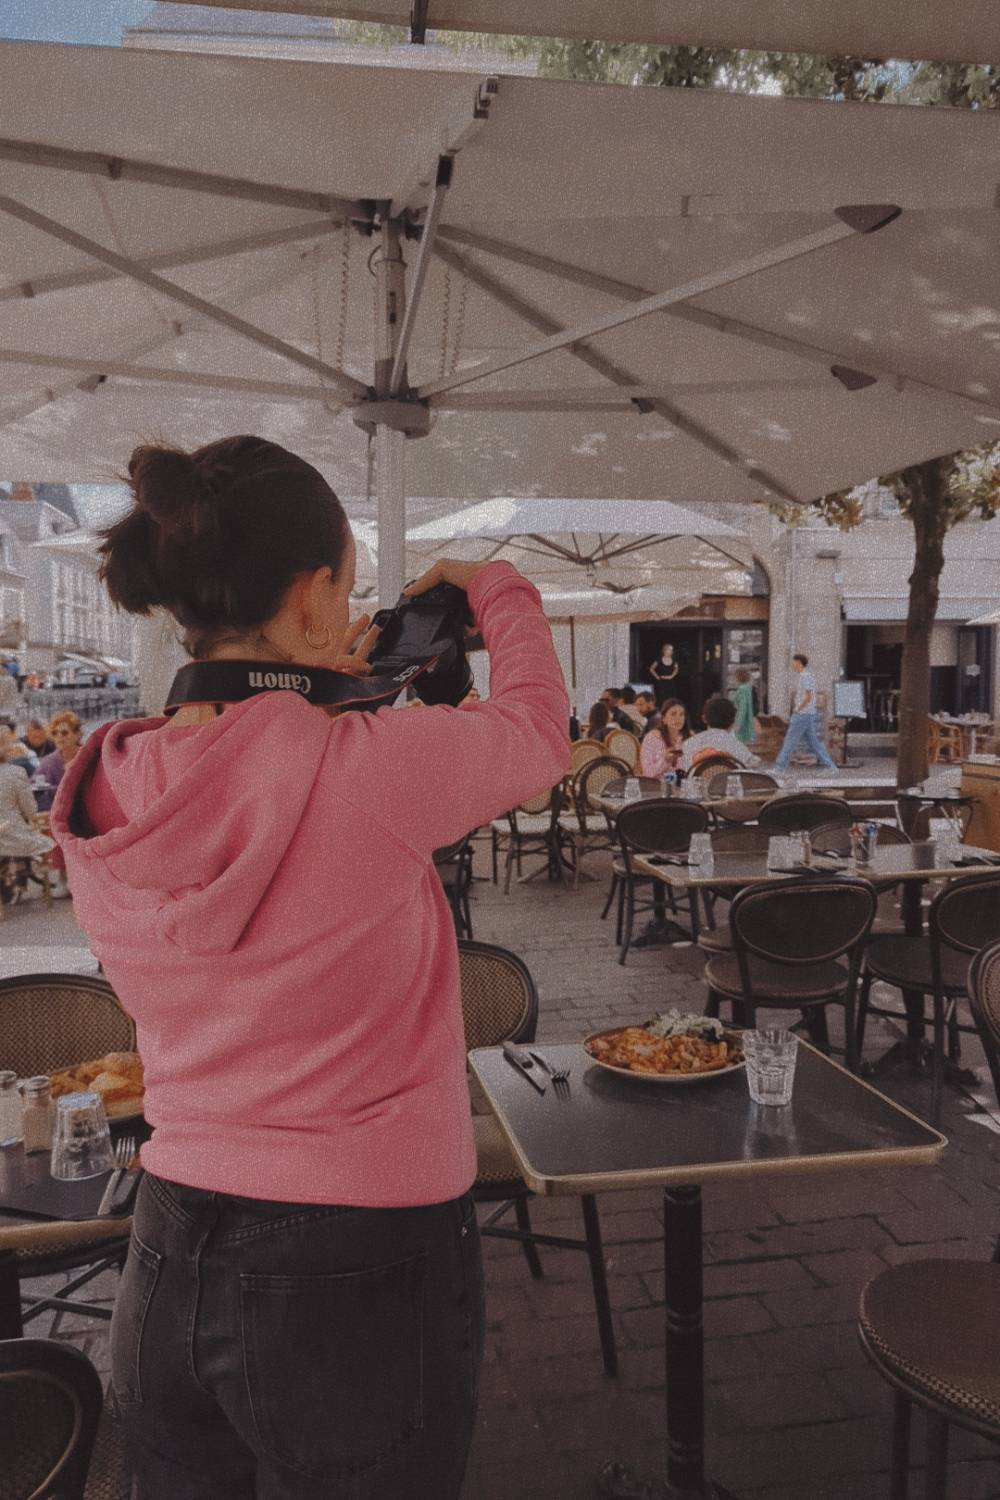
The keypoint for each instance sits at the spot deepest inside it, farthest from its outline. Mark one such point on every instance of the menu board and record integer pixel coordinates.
(849, 700)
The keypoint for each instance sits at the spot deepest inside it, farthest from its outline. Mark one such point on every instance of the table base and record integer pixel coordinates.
(617, 1482)
(916, 1054)
(662, 932)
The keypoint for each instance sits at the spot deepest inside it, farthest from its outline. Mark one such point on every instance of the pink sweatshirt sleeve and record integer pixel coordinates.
(436, 773)
(653, 755)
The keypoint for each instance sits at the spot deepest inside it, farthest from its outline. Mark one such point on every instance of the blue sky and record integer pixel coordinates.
(97, 22)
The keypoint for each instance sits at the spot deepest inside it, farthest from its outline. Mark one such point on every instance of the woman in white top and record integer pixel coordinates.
(20, 841)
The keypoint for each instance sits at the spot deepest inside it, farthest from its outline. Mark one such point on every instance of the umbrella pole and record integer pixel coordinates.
(572, 650)
(390, 464)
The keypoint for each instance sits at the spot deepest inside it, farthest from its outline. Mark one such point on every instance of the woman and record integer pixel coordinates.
(20, 841)
(745, 728)
(662, 748)
(66, 733)
(664, 672)
(599, 724)
(301, 1312)
(36, 737)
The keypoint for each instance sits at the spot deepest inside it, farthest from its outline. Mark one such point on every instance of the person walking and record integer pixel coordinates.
(745, 728)
(802, 726)
(301, 1311)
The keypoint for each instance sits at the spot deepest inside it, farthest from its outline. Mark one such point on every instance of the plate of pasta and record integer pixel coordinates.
(668, 1049)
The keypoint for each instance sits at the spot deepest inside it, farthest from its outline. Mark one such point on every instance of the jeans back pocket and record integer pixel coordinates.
(138, 1283)
(334, 1365)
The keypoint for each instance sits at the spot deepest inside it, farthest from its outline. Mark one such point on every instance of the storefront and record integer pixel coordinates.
(961, 657)
(712, 641)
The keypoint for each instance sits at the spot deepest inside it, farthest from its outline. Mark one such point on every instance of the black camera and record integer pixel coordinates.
(422, 643)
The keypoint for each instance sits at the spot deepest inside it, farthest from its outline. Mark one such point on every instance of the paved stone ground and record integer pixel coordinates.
(794, 1411)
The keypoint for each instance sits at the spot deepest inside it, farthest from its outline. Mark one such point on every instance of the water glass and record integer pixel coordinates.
(734, 788)
(700, 855)
(770, 1056)
(779, 853)
(633, 791)
(947, 839)
(81, 1141)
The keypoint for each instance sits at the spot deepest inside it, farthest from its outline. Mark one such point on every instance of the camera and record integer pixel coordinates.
(422, 643)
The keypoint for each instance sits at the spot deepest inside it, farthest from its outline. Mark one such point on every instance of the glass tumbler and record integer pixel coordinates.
(734, 788)
(633, 791)
(779, 853)
(770, 1056)
(700, 854)
(81, 1141)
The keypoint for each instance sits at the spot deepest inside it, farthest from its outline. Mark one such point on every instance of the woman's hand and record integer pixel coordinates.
(445, 570)
(356, 648)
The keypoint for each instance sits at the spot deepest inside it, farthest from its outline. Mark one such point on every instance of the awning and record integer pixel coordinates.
(869, 611)
(963, 31)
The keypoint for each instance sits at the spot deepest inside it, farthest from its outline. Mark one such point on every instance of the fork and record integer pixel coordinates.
(124, 1152)
(559, 1076)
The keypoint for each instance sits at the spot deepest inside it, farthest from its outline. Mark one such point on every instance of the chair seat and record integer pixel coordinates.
(717, 939)
(41, 1248)
(532, 824)
(933, 1325)
(906, 962)
(787, 984)
(495, 1160)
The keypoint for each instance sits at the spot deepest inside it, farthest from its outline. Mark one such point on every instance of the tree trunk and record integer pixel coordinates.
(927, 506)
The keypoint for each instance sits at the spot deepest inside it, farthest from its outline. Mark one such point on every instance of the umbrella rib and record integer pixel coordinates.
(632, 312)
(503, 294)
(193, 255)
(715, 548)
(442, 182)
(127, 169)
(814, 353)
(98, 364)
(170, 290)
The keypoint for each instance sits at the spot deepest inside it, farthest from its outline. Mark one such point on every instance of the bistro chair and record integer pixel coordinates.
(714, 936)
(944, 741)
(658, 825)
(533, 827)
(930, 1329)
(963, 916)
(801, 812)
(708, 763)
(583, 751)
(984, 1002)
(738, 809)
(594, 828)
(454, 866)
(625, 745)
(500, 1003)
(789, 937)
(48, 1022)
(50, 1407)
(835, 838)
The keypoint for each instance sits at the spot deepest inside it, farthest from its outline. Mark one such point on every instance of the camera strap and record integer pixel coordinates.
(234, 681)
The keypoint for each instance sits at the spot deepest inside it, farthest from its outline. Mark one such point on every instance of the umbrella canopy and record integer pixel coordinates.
(611, 292)
(965, 31)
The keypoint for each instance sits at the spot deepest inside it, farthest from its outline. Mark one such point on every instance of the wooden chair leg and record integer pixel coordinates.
(528, 1246)
(937, 1457)
(712, 1004)
(937, 1060)
(815, 1019)
(598, 1276)
(611, 895)
(863, 1002)
(510, 867)
(629, 919)
(900, 1481)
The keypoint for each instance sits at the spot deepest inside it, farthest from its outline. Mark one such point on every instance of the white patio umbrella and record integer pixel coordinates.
(964, 31)
(610, 292)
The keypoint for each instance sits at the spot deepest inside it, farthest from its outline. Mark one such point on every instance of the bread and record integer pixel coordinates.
(117, 1078)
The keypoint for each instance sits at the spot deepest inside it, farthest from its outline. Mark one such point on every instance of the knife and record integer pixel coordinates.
(107, 1197)
(522, 1061)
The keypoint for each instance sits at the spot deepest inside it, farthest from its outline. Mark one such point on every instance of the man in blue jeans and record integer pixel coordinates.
(802, 725)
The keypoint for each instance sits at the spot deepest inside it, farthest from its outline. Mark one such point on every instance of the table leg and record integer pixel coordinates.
(684, 1340)
(10, 1297)
(911, 1049)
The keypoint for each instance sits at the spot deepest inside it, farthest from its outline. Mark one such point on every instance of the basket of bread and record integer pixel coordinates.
(116, 1078)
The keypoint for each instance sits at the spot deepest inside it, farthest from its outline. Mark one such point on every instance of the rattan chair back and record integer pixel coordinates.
(965, 914)
(835, 838)
(499, 998)
(984, 1002)
(593, 779)
(583, 751)
(802, 812)
(625, 745)
(750, 781)
(709, 765)
(659, 824)
(50, 1404)
(808, 921)
(740, 840)
(52, 1021)
(535, 806)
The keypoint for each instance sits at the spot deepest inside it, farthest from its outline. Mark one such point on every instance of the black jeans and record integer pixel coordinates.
(273, 1351)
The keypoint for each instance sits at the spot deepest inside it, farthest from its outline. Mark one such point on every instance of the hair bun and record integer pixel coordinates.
(171, 489)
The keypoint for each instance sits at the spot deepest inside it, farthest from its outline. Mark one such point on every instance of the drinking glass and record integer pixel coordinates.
(734, 788)
(81, 1141)
(947, 839)
(633, 791)
(700, 854)
(779, 853)
(770, 1056)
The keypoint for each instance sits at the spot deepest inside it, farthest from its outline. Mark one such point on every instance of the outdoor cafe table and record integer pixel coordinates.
(611, 1133)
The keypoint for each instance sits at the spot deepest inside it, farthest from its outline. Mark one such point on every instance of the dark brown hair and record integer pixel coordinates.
(217, 536)
(719, 712)
(599, 717)
(665, 708)
(801, 656)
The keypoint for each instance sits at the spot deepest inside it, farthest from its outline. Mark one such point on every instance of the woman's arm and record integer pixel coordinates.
(653, 755)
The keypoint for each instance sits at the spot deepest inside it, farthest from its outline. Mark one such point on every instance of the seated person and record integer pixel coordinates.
(632, 711)
(14, 751)
(662, 748)
(719, 715)
(599, 723)
(646, 704)
(621, 718)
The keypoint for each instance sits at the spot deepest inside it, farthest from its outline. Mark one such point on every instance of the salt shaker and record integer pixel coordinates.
(10, 1110)
(36, 1114)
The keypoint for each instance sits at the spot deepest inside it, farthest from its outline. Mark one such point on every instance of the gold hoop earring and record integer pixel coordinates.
(318, 645)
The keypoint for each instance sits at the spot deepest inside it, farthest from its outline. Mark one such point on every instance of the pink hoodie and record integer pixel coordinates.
(261, 895)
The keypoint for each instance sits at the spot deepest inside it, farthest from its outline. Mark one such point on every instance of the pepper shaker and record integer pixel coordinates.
(36, 1114)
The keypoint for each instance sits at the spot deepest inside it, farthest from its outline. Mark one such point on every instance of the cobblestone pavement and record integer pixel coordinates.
(794, 1412)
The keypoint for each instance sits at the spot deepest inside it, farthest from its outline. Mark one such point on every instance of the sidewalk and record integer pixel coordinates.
(794, 1411)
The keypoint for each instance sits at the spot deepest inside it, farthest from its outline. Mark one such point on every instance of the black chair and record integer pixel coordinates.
(50, 1406)
(500, 1003)
(658, 825)
(801, 812)
(714, 936)
(453, 863)
(788, 939)
(963, 916)
(984, 1002)
(739, 809)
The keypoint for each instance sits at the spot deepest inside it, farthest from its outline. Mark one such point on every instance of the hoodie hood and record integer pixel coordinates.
(211, 811)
